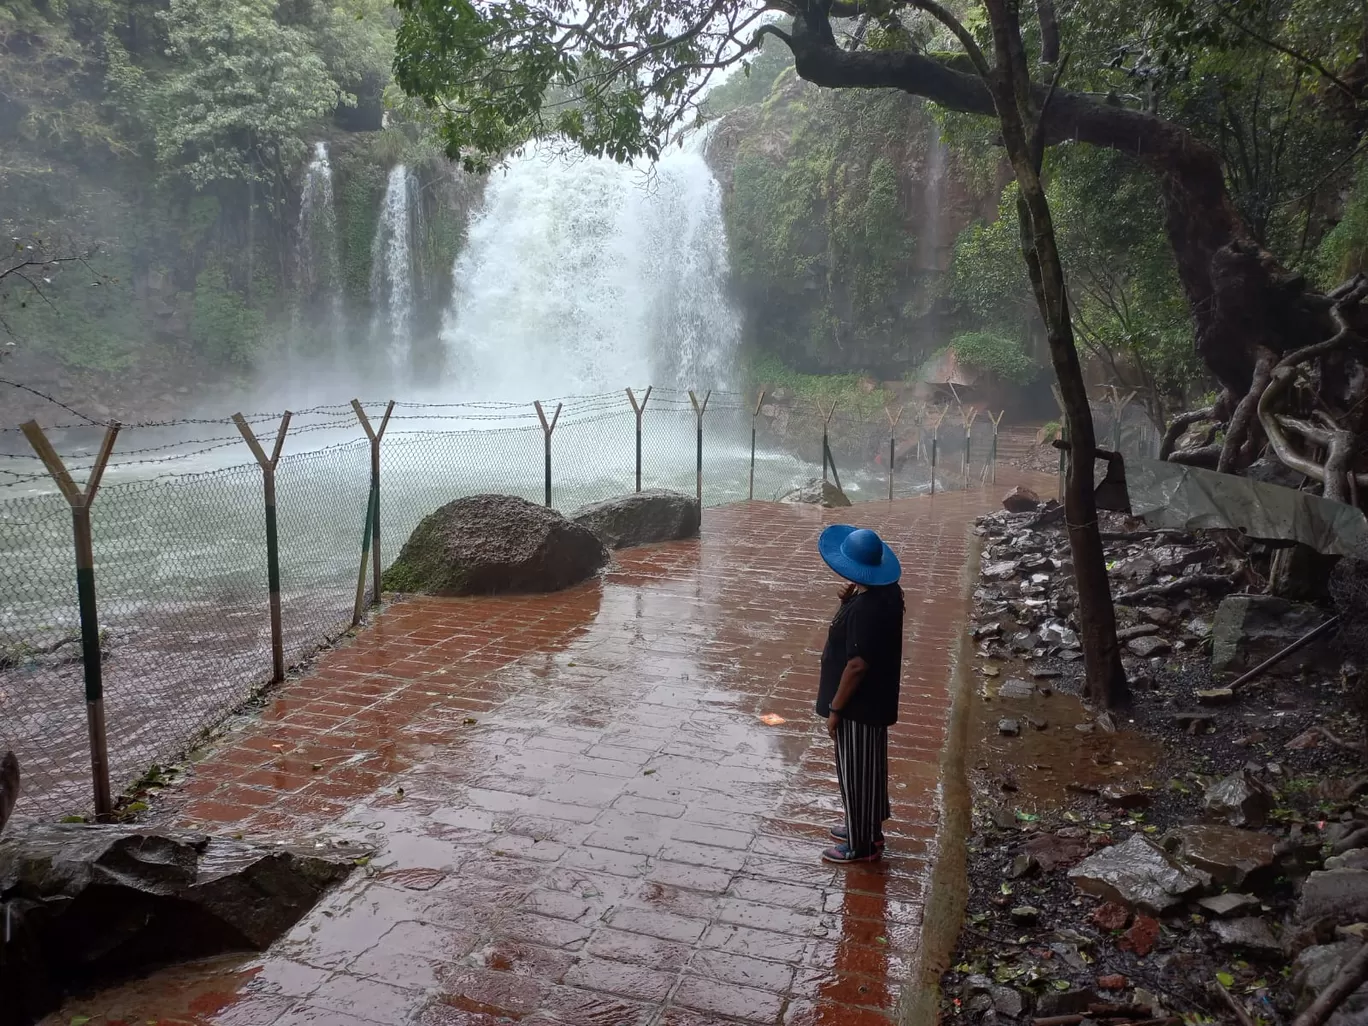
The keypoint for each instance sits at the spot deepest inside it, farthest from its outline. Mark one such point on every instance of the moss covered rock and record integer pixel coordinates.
(494, 544)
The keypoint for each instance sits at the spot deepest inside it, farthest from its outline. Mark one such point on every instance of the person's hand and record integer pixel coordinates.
(847, 591)
(833, 720)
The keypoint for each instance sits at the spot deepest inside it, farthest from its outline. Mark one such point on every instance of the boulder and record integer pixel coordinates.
(1250, 628)
(1229, 854)
(818, 493)
(1138, 873)
(92, 903)
(1021, 500)
(1241, 799)
(493, 544)
(1337, 895)
(641, 519)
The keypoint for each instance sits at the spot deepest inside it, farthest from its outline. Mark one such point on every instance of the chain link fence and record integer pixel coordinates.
(179, 525)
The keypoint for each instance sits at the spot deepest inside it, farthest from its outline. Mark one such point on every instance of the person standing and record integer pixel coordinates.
(858, 690)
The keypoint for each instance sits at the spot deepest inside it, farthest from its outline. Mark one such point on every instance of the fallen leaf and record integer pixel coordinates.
(772, 720)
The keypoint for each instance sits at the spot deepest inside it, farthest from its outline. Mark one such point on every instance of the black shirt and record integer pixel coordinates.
(868, 625)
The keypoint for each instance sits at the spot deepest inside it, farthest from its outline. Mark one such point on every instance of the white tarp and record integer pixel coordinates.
(1186, 498)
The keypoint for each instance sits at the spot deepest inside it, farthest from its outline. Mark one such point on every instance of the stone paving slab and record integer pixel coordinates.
(603, 806)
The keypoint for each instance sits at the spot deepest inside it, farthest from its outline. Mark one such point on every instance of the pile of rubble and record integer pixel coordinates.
(1238, 887)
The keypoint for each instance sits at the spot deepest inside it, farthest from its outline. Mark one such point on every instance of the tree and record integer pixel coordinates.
(616, 78)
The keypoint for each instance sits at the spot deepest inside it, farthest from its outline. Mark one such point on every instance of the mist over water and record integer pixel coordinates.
(582, 275)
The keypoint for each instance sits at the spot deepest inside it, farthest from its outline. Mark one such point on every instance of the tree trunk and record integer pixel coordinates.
(1105, 677)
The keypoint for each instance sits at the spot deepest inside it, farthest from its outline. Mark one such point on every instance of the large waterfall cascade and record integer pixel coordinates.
(392, 289)
(582, 275)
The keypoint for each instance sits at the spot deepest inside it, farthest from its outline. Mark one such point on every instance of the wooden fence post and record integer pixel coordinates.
(268, 469)
(80, 502)
(893, 419)
(750, 488)
(638, 409)
(375, 438)
(547, 428)
(1118, 406)
(699, 410)
(827, 458)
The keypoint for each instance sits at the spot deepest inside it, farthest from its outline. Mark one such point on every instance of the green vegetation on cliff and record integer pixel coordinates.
(163, 141)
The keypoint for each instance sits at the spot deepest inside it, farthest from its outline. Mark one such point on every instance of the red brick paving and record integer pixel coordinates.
(582, 808)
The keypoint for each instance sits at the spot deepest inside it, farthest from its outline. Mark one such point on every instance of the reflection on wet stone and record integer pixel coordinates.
(603, 805)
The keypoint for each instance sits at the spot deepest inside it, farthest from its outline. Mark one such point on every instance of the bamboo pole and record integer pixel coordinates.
(547, 428)
(80, 501)
(375, 438)
(268, 469)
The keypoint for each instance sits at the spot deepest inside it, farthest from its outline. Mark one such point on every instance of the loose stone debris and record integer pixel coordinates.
(1176, 856)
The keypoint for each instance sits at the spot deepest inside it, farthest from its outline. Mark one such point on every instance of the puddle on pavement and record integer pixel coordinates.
(1043, 763)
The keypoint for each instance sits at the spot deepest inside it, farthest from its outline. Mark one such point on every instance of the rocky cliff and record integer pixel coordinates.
(842, 213)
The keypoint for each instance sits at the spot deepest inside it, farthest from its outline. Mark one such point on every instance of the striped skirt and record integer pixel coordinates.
(862, 769)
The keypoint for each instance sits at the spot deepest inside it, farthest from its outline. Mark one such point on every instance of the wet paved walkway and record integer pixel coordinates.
(603, 806)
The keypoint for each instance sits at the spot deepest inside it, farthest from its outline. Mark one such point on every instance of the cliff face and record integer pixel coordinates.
(842, 212)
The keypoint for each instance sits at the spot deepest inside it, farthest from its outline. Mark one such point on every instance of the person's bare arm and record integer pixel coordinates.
(851, 677)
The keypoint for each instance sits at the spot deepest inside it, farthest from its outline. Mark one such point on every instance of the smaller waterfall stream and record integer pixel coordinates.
(392, 271)
(931, 235)
(318, 309)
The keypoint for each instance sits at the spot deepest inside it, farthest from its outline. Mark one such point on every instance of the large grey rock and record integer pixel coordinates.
(1250, 628)
(1240, 800)
(1139, 873)
(87, 903)
(1229, 854)
(642, 518)
(493, 544)
(818, 493)
(1338, 895)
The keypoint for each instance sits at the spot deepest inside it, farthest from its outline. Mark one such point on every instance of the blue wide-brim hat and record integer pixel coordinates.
(858, 555)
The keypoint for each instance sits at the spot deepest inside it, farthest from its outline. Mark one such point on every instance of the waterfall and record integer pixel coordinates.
(584, 275)
(318, 309)
(931, 237)
(392, 271)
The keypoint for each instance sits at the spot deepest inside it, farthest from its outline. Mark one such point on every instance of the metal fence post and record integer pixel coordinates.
(826, 448)
(374, 437)
(892, 429)
(547, 428)
(935, 443)
(268, 469)
(638, 409)
(993, 450)
(365, 557)
(80, 502)
(750, 488)
(699, 410)
(968, 418)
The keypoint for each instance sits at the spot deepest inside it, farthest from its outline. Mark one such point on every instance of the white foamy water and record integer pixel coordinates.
(580, 274)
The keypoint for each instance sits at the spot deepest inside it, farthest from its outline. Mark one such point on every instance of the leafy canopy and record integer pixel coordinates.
(612, 77)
